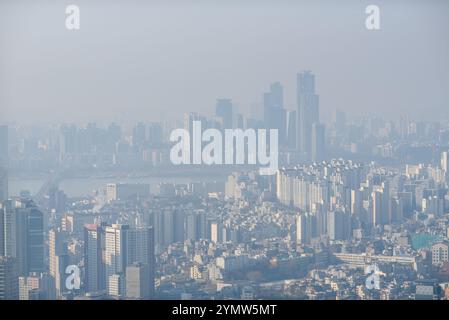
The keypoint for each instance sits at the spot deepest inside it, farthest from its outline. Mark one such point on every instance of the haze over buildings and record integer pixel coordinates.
(87, 177)
(157, 59)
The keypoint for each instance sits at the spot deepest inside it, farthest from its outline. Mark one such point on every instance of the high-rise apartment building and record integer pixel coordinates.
(58, 261)
(116, 246)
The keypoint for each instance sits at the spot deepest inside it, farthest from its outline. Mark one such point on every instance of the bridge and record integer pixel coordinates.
(52, 181)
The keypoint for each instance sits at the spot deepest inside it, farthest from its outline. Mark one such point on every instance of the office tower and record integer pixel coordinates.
(116, 243)
(291, 130)
(137, 281)
(224, 110)
(9, 279)
(4, 147)
(140, 245)
(141, 249)
(275, 116)
(93, 255)
(318, 143)
(3, 184)
(35, 238)
(24, 235)
(139, 134)
(308, 110)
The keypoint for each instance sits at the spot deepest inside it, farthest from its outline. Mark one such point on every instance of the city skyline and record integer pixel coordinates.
(156, 67)
(224, 150)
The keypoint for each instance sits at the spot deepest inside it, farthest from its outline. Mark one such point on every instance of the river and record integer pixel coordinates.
(76, 187)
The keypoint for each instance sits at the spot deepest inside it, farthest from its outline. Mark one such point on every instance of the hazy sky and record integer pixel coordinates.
(154, 60)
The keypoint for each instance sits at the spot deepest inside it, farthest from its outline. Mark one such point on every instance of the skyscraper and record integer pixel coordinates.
(116, 243)
(56, 247)
(58, 260)
(3, 184)
(23, 235)
(275, 116)
(141, 249)
(308, 110)
(93, 255)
